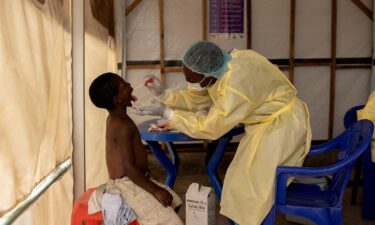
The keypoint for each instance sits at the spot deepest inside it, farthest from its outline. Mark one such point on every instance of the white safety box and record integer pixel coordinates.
(200, 205)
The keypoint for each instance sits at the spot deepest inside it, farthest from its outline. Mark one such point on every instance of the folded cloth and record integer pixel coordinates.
(115, 210)
(94, 200)
(148, 209)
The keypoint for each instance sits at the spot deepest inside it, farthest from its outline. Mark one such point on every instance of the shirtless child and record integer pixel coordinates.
(126, 157)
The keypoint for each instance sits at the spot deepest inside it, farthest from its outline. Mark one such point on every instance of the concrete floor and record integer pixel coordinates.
(192, 170)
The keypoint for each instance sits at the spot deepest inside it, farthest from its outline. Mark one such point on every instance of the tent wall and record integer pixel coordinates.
(53, 207)
(35, 96)
(100, 57)
(323, 46)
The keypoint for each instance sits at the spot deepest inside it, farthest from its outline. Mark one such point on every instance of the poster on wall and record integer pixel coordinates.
(226, 19)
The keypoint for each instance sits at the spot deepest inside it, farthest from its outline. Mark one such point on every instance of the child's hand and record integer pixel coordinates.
(153, 177)
(164, 197)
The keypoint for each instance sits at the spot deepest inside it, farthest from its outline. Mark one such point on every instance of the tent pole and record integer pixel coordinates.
(78, 79)
(12, 215)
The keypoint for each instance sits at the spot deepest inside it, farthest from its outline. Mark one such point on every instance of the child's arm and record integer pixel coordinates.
(126, 146)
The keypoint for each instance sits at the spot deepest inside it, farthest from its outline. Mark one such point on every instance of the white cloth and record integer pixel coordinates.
(115, 210)
(94, 201)
(148, 209)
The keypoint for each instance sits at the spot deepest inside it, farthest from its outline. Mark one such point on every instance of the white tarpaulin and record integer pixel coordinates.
(35, 96)
(270, 37)
(99, 58)
(35, 81)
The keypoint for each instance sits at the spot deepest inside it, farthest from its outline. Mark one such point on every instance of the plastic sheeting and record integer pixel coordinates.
(35, 96)
(270, 37)
(142, 32)
(181, 28)
(313, 29)
(100, 57)
(352, 88)
(354, 29)
(312, 84)
(35, 87)
(270, 32)
(53, 207)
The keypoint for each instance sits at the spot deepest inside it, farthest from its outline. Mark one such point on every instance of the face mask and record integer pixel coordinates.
(197, 86)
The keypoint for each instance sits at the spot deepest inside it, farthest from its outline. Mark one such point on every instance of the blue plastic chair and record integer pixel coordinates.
(368, 204)
(350, 118)
(321, 206)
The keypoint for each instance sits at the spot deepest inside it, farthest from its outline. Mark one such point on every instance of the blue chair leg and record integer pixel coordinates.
(368, 207)
(356, 181)
(336, 216)
(320, 216)
(270, 218)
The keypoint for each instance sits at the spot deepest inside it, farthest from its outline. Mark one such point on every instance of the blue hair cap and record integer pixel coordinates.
(206, 58)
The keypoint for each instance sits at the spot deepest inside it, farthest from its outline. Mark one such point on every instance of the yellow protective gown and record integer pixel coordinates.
(277, 130)
(368, 112)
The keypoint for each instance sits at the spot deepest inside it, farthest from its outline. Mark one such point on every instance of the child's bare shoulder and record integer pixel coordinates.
(120, 125)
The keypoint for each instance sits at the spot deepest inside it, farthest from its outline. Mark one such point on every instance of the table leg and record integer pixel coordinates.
(214, 161)
(165, 162)
(173, 155)
(211, 149)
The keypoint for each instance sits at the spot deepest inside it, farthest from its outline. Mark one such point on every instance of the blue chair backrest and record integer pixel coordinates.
(353, 142)
(350, 116)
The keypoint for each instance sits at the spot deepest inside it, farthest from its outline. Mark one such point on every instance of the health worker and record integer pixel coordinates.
(240, 87)
(368, 112)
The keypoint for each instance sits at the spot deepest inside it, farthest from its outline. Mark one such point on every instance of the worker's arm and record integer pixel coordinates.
(187, 100)
(229, 110)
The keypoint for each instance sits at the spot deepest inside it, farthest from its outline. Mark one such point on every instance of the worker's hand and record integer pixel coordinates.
(163, 196)
(162, 123)
(155, 109)
(154, 85)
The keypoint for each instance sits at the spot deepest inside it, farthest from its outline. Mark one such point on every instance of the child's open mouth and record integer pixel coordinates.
(133, 99)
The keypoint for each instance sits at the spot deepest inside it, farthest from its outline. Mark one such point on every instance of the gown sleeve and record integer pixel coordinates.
(188, 100)
(230, 109)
